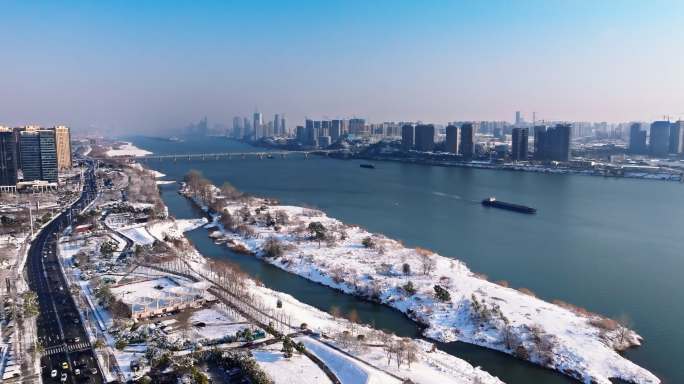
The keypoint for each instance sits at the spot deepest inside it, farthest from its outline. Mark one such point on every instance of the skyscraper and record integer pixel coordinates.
(335, 130)
(425, 137)
(246, 128)
(520, 138)
(451, 138)
(325, 128)
(518, 118)
(283, 126)
(8, 157)
(407, 137)
(637, 139)
(357, 127)
(258, 125)
(552, 144)
(29, 152)
(276, 125)
(38, 154)
(300, 134)
(63, 145)
(467, 144)
(237, 127)
(660, 138)
(48, 155)
(539, 142)
(677, 137)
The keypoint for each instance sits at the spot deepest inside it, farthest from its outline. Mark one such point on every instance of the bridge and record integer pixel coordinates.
(226, 155)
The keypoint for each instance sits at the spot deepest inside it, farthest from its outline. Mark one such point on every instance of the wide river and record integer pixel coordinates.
(613, 246)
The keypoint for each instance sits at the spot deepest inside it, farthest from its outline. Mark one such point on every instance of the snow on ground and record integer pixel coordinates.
(138, 234)
(478, 311)
(218, 323)
(173, 228)
(289, 371)
(127, 149)
(432, 367)
(161, 292)
(348, 370)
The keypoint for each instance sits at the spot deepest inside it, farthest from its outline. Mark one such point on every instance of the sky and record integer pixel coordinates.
(146, 66)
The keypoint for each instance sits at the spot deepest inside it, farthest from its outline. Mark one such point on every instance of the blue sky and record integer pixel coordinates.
(147, 65)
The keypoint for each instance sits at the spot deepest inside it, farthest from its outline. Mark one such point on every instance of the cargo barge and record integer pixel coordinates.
(493, 202)
(369, 166)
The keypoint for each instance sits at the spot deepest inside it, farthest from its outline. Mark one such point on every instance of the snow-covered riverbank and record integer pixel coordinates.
(438, 292)
(363, 353)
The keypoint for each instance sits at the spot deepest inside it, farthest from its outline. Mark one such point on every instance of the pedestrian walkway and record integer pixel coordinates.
(77, 347)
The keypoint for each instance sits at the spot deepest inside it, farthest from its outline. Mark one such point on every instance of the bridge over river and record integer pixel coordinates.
(228, 155)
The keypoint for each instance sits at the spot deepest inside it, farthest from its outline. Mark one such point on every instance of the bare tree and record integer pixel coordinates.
(427, 261)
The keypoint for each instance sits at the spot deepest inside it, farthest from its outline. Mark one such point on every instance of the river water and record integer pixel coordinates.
(613, 246)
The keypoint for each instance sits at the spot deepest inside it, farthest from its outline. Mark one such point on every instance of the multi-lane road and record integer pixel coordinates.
(68, 355)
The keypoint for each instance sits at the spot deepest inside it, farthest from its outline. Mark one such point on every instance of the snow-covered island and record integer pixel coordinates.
(440, 293)
(126, 149)
(160, 308)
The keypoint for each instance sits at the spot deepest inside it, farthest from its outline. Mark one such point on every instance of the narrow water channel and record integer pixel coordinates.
(507, 368)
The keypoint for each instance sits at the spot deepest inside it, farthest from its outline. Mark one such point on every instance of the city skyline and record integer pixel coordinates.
(115, 68)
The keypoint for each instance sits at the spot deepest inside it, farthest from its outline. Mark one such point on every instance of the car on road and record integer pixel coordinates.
(77, 339)
(53, 373)
(63, 379)
(93, 371)
(65, 365)
(77, 371)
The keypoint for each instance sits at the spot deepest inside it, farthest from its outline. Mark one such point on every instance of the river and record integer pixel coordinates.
(610, 245)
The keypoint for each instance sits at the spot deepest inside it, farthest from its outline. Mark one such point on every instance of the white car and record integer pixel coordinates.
(63, 379)
(53, 374)
(77, 371)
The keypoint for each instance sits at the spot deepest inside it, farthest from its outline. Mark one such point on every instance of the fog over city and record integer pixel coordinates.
(111, 68)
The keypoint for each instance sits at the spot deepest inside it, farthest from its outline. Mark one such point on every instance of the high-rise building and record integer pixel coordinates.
(8, 157)
(38, 153)
(660, 138)
(48, 155)
(311, 132)
(326, 125)
(246, 128)
(283, 127)
(451, 138)
(357, 127)
(407, 136)
(425, 137)
(237, 127)
(677, 137)
(258, 125)
(518, 118)
(539, 142)
(467, 144)
(552, 144)
(637, 139)
(29, 152)
(519, 145)
(300, 134)
(335, 130)
(276, 125)
(63, 145)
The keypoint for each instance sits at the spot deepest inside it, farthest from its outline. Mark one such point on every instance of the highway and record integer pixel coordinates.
(68, 355)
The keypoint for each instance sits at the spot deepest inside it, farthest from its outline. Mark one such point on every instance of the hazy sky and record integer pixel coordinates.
(143, 66)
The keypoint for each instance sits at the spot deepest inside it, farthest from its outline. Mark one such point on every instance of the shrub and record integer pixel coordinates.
(441, 294)
(273, 248)
(410, 289)
(527, 292)
(368, 242)
(121, 344)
